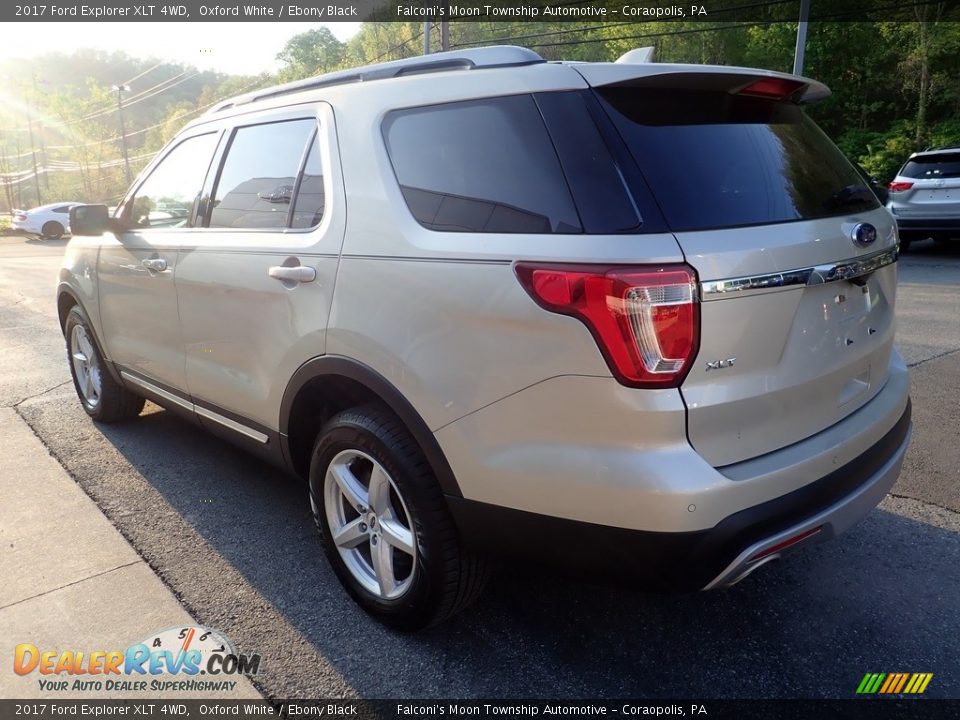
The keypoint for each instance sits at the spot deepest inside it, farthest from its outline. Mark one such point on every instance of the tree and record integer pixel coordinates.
(311, 53)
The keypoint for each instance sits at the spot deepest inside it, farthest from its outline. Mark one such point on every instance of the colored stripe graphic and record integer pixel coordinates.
(862, 687)
(903, 681)
(894, 683)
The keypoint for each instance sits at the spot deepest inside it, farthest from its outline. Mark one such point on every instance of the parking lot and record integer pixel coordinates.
(234, 541)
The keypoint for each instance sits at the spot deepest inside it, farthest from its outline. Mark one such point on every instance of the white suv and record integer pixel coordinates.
(621, 316)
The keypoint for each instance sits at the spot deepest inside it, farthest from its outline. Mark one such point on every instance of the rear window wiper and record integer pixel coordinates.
(849, 195)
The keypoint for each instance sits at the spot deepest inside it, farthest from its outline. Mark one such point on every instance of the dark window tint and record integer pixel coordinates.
(308, 209)
(931, 167)
(480, 166)
(255, 187)
(63, 210)
(598, 185)
(166, 197)
(713, 160)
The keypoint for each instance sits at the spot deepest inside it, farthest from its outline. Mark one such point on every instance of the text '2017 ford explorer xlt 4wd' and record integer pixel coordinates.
(624, 317)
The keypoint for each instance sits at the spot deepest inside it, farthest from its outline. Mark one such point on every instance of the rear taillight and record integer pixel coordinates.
(899, 186)
(20, 216)
(646, 320)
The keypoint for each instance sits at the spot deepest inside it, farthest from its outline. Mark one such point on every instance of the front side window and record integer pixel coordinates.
(259, 175)
(480, 166)
(166, 197)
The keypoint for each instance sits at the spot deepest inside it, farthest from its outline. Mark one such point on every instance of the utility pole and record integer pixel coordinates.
(33, 152)
(123, 133)
(19, 184)
(5, 177)
(43, 149)
(801, 37)
(426, 37)
(444, 34)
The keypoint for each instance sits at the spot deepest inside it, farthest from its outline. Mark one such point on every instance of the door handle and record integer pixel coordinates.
(295, 274)
(155, 264)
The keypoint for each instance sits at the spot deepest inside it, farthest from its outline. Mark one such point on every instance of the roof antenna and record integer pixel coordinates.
(637, 56)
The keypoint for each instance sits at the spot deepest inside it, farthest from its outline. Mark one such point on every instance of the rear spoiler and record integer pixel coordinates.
(639, 71)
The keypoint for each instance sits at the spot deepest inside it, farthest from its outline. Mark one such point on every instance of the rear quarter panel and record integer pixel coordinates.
(442, 315)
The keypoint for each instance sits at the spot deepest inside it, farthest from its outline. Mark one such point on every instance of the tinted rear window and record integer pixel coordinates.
(480, 166)
(713, 160)
(932, 167)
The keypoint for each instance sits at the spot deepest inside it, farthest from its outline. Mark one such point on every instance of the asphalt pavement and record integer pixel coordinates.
(233, 540)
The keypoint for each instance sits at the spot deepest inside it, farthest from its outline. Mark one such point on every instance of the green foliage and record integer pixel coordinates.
(888, 151)
(311, 53)
(946, 133)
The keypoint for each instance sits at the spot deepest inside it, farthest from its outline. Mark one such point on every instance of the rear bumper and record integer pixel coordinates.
(929, 225)
(687, 561)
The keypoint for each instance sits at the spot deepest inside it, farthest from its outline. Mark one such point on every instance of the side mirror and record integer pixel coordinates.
(89, 219)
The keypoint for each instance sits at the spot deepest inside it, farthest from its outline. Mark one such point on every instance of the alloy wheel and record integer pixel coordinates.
(370, 524)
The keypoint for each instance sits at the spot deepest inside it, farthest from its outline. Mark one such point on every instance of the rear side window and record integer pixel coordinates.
(308, 210)
(713, 160)
(931, 167)
(257, 180)
(480, 166)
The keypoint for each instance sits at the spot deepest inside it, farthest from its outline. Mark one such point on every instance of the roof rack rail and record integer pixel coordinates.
(468, 59)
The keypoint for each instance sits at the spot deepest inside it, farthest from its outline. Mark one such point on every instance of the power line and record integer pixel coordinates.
(145, 72)
(141, 94)
(116, 138)
(400, 46)
(724, 26)
(590, 28)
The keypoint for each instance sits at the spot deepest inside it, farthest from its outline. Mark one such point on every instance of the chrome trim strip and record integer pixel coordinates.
(203, 412)
(186, 405)
(815, 275)
(232, 424)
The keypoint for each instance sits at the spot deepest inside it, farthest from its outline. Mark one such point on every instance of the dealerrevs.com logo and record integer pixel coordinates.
(169, 661)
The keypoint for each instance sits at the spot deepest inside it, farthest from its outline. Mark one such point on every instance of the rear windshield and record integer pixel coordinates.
(932, 166)
(714, 160)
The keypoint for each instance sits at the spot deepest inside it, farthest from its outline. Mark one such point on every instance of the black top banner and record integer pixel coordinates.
(479, 10)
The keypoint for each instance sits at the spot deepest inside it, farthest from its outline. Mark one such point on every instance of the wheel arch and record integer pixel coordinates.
(327, 384)
(68, 299)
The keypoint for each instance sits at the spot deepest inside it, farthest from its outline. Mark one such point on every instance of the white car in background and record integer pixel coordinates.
(48, 222)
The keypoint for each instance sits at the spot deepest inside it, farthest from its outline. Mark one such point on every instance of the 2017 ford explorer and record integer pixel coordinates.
(619, 317)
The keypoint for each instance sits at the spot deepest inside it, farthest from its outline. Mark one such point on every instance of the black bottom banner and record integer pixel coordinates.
(867, 709)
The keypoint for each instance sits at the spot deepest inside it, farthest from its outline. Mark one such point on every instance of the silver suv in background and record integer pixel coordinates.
(925, 196)
(630, 318)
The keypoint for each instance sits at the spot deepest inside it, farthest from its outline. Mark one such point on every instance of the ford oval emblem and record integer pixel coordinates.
(863, 234)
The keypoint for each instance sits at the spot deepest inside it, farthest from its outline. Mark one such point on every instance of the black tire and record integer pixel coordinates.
(51, 230)
(445, 579)
(115, 403)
